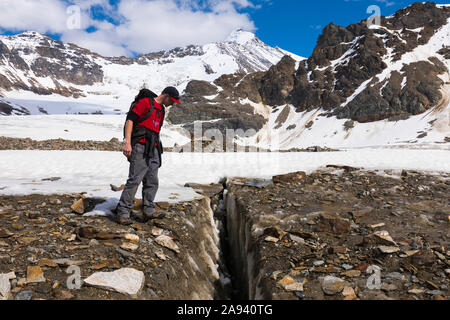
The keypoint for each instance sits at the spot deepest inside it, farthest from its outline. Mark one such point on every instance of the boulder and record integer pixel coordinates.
(126, 281)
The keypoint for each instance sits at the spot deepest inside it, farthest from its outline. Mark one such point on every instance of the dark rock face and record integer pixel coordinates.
(203, 88)
(55, 59)
(83, 72)
(331, 44)
(277, 83)
(346, 65)
(5, 109)
(331, 87)
(342, 76)
(445, 52)
(218, 112)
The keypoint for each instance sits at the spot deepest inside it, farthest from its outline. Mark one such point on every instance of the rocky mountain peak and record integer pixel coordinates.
(241, 37)
(37, 63)
(417, 15)
(389, 71)
(369, 74)
(32, 34)
(333, 35)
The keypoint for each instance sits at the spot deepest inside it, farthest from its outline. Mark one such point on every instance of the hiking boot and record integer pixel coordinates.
(137, 216)
(151, 214)
(120, 218)
(123, 220)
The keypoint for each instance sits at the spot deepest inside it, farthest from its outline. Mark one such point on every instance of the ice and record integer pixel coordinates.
(22, 171)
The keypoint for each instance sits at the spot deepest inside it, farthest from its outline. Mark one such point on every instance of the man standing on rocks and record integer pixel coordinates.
(143, 149)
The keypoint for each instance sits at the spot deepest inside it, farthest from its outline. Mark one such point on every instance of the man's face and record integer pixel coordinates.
(168, 101)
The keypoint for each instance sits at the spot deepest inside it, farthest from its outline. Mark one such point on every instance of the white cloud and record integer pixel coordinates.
(142, 25)
(36, 15)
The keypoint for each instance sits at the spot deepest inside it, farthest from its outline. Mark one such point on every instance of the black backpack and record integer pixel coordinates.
(143, 93)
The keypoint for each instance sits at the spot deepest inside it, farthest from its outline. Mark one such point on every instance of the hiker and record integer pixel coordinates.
(143, 149)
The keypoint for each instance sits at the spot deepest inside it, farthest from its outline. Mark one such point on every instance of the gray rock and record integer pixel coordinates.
(93, 243)
(388, 287)
(318, 263)
(124, 253)
(126, 280)
(258, 183)
(396, 276)
(332, 285)
(347, 266)
(24, 295)
(434, 292)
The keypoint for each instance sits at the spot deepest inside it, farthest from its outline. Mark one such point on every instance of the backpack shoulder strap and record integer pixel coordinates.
(148, 114)
(163, 114)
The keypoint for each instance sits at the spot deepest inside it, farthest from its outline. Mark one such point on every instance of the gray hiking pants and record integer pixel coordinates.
(141, 170)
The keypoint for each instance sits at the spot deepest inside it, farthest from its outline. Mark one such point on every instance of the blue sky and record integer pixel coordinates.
(296, 25)
(132, 27)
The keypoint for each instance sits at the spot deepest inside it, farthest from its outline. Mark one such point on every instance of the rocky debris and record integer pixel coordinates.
(349, 293)
(332, 285)
(167, 242)
(35, 274)
(64, 262)
(24, 295)
(54, 250)
(63, 295)
(7, 143)
(94, 233)
(129, 246)
(296, 177)
(379, 237)
(389, 249)
(126, 280)
(344, 242)
(5, 233)
(290, 284)
(209, 190)
(289, 214)
(205, 145)
(160, 254)
(331, 222)
(259, 183)
(79, 206)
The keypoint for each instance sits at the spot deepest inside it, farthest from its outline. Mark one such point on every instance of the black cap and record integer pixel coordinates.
(173, 94)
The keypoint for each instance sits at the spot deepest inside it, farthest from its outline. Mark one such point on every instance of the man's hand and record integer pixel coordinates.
(128, 130)
(127, 150)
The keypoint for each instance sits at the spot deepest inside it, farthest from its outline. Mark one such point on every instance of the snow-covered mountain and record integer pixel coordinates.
(378, 85)
(362, 86)
(34, 67)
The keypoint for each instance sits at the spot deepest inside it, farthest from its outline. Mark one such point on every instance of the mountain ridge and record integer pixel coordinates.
(380, 75)
(35, 63)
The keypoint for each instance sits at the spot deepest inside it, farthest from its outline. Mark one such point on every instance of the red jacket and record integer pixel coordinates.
(154, 122)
